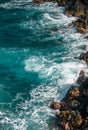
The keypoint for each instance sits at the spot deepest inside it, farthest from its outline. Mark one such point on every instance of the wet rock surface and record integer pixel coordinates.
(73, 110)
(84, 56)
(55, 105)
(78, 8)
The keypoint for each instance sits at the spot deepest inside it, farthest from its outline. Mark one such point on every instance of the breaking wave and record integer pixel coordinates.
(38, 63)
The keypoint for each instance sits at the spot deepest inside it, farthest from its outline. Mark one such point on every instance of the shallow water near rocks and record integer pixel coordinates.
(38, 62)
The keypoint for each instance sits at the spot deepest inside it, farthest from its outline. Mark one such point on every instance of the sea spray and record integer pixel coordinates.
(38, 62)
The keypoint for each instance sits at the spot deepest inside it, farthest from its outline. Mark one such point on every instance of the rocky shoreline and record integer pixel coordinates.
(77, 8)
(73, 109)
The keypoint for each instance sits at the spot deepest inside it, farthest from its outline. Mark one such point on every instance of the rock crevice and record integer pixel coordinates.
(73, 108)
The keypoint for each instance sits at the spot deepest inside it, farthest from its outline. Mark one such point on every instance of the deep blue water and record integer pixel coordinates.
(38, 62)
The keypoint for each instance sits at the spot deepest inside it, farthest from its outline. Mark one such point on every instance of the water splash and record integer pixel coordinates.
(40, 67)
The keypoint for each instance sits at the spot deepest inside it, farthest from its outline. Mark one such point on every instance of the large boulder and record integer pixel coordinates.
(73, 113)
(71, 118)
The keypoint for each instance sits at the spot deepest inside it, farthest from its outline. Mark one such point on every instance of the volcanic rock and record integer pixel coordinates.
(55, 105)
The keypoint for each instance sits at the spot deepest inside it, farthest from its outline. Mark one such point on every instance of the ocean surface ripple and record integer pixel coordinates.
(38, 62)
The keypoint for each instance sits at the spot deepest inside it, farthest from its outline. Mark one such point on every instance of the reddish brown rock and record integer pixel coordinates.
(74, 113)
(73, 93)
(76, 8)
(80, 29)
(55, 105)
(71, 119)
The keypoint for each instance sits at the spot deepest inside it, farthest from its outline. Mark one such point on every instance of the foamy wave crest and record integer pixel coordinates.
(57, 74)
(53, 18)
(9, 121)
(60, 19)
(65, 74)
(21, 4)
(56, 65)
(37, 109)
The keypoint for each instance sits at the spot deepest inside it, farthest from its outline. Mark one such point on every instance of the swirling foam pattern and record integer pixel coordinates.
(38, 62)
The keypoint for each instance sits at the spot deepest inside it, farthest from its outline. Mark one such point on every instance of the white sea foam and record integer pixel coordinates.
(10, 121)
(61, 76)
(41, 96)
(61, 19)
(47, 19)
(16, 4)
(38, 110)
(53, 71)
(56, 77)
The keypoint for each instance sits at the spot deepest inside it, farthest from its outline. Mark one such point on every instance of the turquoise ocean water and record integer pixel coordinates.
(38, 62)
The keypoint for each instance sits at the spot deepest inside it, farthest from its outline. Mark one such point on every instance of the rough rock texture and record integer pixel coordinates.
(84, 56)
(78, 8)
(73, 108)
(55, 105)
